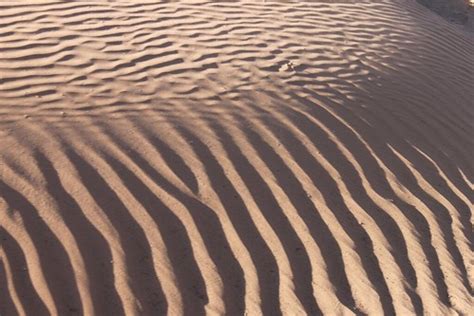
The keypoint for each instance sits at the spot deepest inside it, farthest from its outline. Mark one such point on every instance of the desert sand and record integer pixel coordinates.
(235, 158)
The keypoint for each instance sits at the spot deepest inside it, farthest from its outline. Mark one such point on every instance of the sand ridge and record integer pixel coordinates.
(216, 157)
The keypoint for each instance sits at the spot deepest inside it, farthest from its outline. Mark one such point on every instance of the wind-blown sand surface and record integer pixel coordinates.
(233, 158)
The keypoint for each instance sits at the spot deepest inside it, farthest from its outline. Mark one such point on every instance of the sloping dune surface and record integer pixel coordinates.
(222, 157)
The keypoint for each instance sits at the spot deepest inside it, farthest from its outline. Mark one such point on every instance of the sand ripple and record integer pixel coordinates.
(193, 157)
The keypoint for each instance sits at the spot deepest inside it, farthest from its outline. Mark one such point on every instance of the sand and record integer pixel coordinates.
(215, 157)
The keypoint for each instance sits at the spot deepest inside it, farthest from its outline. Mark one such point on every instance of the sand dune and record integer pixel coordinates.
(215, 157)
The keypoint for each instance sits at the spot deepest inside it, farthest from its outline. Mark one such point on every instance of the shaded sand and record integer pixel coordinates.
(229, 158)
(460, 12)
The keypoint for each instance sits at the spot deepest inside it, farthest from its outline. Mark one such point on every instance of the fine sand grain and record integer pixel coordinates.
(238, 158)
